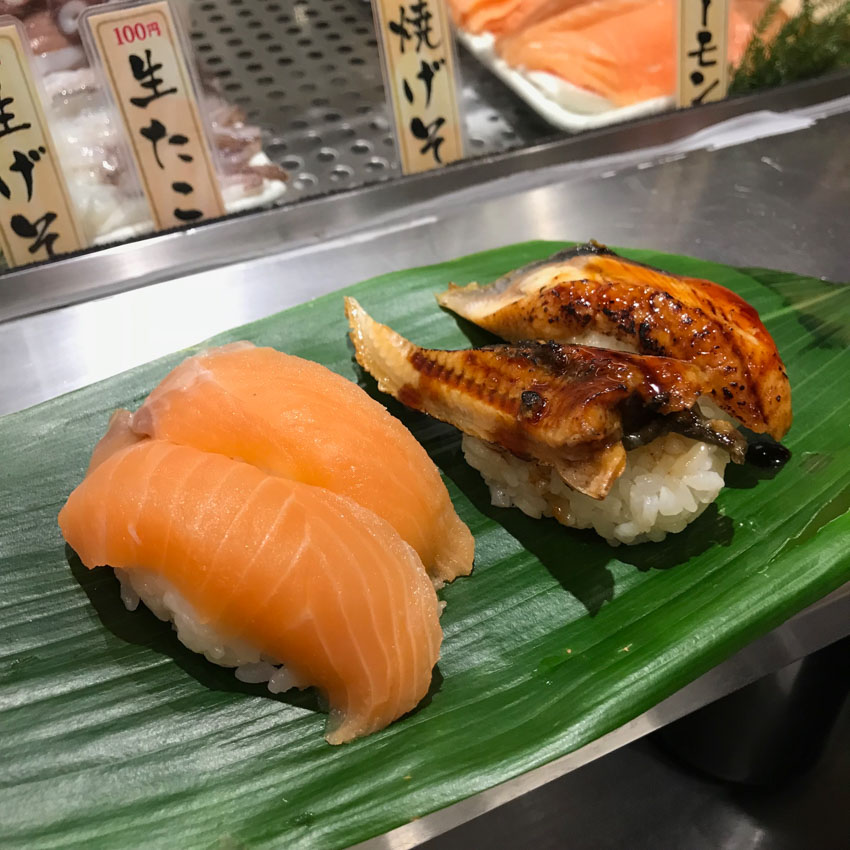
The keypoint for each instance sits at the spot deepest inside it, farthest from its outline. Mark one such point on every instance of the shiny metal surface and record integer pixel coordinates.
(779, 200)
(636, 207)
(308, 72)
(641, 798)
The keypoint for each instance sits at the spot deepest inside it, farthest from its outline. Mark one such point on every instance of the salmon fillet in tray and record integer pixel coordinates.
(583, 64)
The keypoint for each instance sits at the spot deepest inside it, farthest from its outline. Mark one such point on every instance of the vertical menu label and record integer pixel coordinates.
(36, 214)
(419, 69)
(143, 63)
(703, 64)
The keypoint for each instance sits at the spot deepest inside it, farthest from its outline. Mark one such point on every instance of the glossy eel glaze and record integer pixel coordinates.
(572, 407)
(581, 294)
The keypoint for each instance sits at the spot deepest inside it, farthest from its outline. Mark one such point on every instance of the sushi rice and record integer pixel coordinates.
(170, 606)
(665, 485)
(167, 603)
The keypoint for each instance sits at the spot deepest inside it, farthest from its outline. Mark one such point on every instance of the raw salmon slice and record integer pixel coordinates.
(296, 419)
(312, 579)
(500, 17)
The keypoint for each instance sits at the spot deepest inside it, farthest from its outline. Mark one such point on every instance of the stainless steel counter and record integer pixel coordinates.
(778, 200)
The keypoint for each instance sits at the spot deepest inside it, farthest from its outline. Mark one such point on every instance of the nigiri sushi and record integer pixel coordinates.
(590, 295)
(593, 437)
(295, 418)
(256, 570)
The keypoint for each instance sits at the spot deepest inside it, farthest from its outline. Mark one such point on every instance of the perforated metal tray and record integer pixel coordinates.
(308, 72)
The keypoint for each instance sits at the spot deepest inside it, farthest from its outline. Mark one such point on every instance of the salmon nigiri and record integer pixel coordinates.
(257, 568)
(296, 419)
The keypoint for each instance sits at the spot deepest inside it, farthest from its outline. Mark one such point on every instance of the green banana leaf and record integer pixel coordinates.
(115, 735)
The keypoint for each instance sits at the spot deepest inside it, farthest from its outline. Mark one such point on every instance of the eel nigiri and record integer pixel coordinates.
(591, 295)
(561, 419)
(296, 419)
(254, 568)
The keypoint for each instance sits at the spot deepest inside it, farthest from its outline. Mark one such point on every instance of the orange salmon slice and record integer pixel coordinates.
(310, 578)
(296, 419)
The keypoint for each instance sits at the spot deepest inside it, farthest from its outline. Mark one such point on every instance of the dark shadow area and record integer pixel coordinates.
(640, 798)
(142, 628)
(770, 732)
(746, 476)
(582, 570)
(585, 574)
(434, 688)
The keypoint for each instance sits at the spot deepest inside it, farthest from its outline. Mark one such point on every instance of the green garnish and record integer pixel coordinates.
(814, 42)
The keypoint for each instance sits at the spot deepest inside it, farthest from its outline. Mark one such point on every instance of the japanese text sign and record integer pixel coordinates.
(703, 66)
(36, 214)
(143, 62)
(419, 69)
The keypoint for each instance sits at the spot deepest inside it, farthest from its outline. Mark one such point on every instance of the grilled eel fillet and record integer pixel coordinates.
(571, 407)
(590, 288)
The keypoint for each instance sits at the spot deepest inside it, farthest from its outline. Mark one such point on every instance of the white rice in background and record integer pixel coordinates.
(665, 485)
(169, 605)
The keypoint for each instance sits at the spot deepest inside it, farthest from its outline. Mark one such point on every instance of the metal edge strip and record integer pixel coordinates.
(246, 236)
